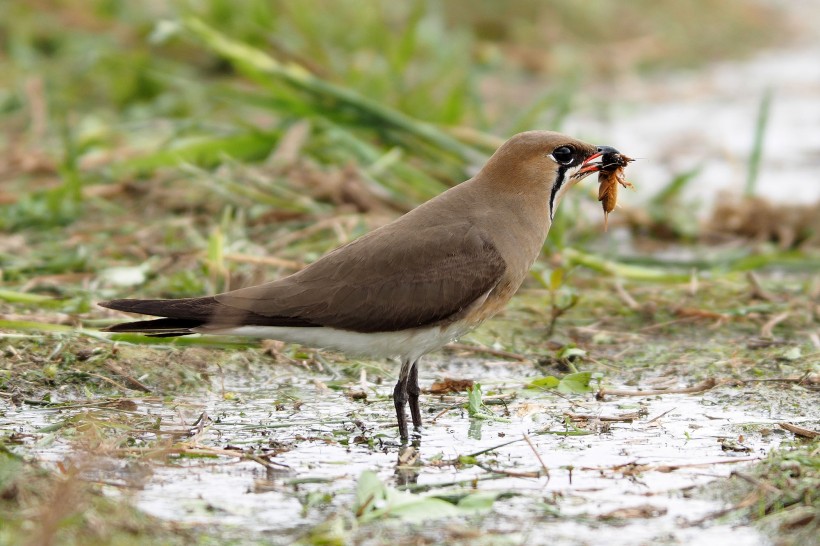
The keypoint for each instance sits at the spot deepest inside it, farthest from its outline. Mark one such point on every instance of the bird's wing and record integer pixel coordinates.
(384, 281)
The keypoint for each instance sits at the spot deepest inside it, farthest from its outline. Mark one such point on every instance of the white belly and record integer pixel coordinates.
(405, 344)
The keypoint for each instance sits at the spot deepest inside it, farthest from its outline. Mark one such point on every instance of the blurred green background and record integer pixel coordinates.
(188, 131)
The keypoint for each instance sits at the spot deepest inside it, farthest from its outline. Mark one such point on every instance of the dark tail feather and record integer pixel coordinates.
(183, 315)
(180, 315)
(186, 308)
(164, 327)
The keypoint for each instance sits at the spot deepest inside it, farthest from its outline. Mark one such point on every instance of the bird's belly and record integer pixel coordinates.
(407, 344)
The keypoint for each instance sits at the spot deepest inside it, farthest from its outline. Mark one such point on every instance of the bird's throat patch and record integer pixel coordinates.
(559, 181)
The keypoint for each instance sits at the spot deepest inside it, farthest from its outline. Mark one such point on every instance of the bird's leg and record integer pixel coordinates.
(400, 399)
(413, 392)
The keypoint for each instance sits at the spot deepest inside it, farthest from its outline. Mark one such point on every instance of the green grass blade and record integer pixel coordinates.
(757, 144)
(632, 272)
(12, 296)
(205, 152)
(248, 57)
(672, 191)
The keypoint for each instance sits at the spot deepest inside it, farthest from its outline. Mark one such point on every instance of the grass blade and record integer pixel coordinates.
(297, 76)
(757, 143)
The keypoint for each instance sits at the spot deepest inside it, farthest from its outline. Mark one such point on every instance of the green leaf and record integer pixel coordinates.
(410, 508)
(548, 382)
(375, 500)
(570, 383)
(575, 383)
(467, 460)
(556, 279)
(480, 501)
(477, 409)
(368, 491)
(474, 403)
(571, 352)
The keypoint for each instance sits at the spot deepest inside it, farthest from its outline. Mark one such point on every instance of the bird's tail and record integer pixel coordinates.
(164, 327)
(180, 316)
(184, 316)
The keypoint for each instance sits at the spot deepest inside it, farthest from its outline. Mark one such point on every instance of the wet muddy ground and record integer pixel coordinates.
(275, 452)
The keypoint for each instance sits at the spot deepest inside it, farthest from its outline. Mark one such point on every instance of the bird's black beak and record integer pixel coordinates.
(588, 167)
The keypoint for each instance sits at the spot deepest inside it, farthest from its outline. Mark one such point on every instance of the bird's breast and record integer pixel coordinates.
(495, 301)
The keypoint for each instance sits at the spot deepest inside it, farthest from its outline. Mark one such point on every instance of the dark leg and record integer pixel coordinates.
(400, 399)
(413, 392)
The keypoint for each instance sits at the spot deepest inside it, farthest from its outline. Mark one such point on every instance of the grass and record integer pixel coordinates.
(182, 148)
(39, 506)
(757, 144)
(780, 494)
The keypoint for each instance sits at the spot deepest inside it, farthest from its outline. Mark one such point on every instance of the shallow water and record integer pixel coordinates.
(589, 476)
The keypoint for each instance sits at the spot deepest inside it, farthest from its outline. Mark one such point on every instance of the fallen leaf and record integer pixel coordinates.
(448, 385)
(634, 512)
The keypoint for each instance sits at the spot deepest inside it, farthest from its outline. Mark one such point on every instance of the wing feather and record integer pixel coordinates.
(385, 283)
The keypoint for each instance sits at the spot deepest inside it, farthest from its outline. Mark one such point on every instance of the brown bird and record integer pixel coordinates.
(409, 287)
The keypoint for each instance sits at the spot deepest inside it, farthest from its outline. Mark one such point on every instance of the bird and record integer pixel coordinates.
(411, 286)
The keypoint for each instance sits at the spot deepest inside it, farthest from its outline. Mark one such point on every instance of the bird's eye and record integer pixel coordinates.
(563, 155)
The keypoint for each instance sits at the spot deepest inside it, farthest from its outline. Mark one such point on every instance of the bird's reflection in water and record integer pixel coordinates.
(408, 465)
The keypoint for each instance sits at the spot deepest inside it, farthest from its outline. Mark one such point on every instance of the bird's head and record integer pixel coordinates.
(545, 159)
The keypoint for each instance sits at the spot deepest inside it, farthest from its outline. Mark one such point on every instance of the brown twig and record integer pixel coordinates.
(497, 399)
(625, 418)
(757, 483)
(766, 329)
(800, 379)
(708, 517)
(138, 385)
(445, 410)
(538, 456)
(799, 431)
(457, 460)
(628, 300)
(757, 290)
(659, 416)
(703, 386)
(204, 450)
(109, 380)
(667, 468)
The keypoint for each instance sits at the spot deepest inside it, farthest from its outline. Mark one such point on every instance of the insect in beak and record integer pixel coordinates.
(588, 167)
